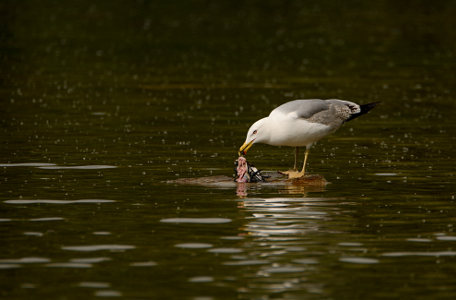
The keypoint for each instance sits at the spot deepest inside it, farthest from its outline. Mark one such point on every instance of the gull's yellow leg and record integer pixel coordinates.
(295, 168)
(303, 171)
(296, 159)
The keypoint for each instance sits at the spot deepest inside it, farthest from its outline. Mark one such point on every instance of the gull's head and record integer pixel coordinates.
(258, 133)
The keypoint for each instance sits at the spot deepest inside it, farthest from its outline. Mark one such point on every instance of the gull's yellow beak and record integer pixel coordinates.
(245, 147)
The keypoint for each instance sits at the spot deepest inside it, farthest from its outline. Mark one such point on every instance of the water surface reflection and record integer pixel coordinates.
(281, 243)
(104, 103)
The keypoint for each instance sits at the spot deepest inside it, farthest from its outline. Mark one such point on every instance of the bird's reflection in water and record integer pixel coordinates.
(241, 189)
(302, 186)
(276, 183)
(279, 242)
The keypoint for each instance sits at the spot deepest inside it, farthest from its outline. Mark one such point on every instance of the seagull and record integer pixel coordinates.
(301, 123)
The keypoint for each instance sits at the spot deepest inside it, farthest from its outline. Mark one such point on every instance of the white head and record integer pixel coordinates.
(258, 133)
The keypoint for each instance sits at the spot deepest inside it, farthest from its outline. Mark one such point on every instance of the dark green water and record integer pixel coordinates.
(102, 103)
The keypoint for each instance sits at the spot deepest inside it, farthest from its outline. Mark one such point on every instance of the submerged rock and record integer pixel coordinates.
(247, 177)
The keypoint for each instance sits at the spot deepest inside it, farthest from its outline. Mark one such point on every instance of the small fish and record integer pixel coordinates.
(246, 172)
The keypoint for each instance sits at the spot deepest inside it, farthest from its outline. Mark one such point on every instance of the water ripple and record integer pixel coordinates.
(101, 233)
(37, 164)
(446, 238)
(249, 262)
(47, 201)
(9, 266)
(94, 284)
(89, 248)
(225, 250)
(419, 240)
(359, 260)
(46, 219)
(306, 261)
(196, 220)
(284, 269)
(193, 245)
(350, 244)
(33, 233)
(108, 293)
(25, 260)
(201, 279)
(89, 260)
(88, 167)
(434, 254)
(68, 265)
(386, 174)
(33, 220)
(143, 264)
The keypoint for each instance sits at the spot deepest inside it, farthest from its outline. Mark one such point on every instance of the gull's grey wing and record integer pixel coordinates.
(302, 108)
(331, 112)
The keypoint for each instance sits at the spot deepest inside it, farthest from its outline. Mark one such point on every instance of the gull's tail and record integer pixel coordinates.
(365, 108)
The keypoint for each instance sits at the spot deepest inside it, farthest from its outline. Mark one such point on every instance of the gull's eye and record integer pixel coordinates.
(254, 132)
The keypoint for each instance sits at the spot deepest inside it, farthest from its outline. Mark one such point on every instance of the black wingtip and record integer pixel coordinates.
(365, 108)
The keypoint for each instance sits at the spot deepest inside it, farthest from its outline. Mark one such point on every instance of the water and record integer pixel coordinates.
(103, 104)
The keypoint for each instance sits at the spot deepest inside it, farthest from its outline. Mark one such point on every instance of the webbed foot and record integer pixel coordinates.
(287, 172)
(293, 174)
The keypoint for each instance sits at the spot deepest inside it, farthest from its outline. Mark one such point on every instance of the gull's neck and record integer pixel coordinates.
(268, 125)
